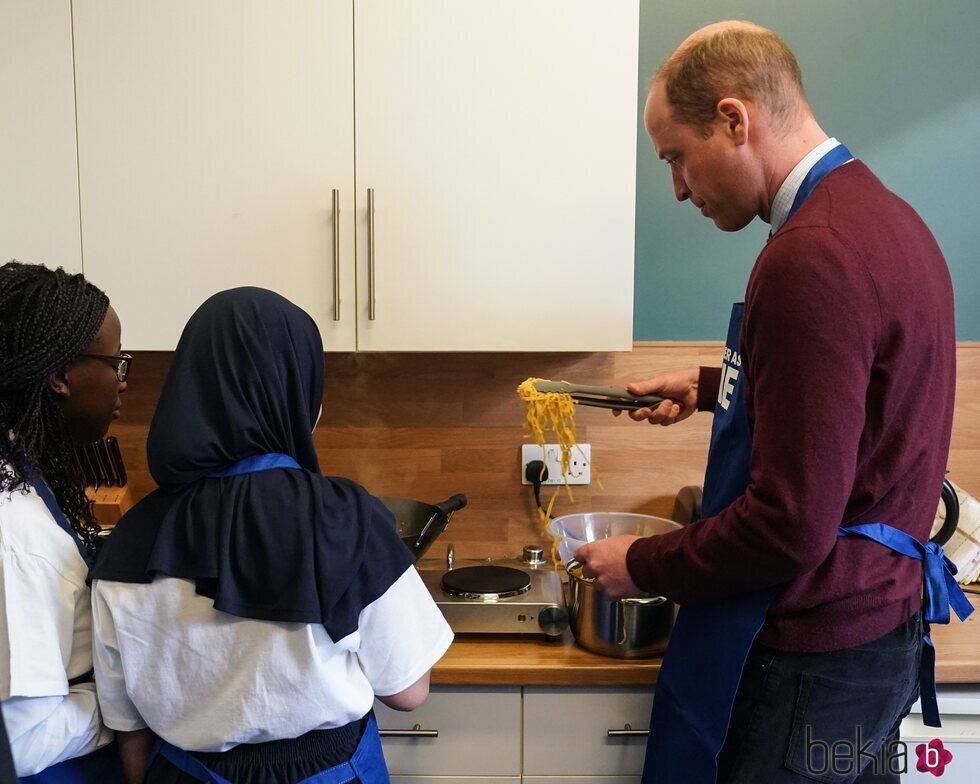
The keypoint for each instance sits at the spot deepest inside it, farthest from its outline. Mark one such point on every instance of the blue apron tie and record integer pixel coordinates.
(710, 642)
(366, 764)
(251, 465)
(940, 591)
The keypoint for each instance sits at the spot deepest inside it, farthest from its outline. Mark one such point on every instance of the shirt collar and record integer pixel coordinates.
(786, 194)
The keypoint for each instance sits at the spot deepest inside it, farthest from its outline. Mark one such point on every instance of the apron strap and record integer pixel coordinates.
(59, 517)
(368, 761)
(255, 463)
(940, 591)
(838, 156)
(185, 762)
(85, 677)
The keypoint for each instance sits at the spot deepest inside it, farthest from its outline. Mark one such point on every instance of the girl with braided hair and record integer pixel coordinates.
(61, 375)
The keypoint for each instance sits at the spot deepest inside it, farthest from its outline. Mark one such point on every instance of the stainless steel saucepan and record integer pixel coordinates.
(628, 628)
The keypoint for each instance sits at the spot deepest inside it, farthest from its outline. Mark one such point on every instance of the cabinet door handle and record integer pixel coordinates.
(415, 732)
(371, 306)
(336, 255)
(627, 732)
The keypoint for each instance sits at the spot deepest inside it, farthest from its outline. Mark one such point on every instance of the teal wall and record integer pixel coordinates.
(898, 81)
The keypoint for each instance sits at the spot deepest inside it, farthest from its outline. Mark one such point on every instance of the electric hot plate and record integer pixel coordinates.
(510, 596)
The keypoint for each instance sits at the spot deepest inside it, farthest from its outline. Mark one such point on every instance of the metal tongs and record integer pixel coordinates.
(601, 397)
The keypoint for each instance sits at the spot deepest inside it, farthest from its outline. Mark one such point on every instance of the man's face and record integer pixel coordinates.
(713, 173)
(88, 392)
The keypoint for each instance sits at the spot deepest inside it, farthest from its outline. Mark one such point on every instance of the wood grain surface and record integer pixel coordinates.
(426, 426)
(532, 662)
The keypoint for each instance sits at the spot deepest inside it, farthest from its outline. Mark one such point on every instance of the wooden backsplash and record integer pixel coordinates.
(426, 426)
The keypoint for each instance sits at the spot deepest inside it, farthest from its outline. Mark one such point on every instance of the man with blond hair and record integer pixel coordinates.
(802, 637)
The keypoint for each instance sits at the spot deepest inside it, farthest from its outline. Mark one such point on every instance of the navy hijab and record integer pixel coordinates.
(282, 544)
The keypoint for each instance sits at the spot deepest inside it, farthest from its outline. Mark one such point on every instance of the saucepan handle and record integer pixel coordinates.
(452, 504)
(574, 565)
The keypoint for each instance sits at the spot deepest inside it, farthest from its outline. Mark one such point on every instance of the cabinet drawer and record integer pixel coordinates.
(962, 769)
(479, 734)
(474, 780)
(579, 780)
(567, 731)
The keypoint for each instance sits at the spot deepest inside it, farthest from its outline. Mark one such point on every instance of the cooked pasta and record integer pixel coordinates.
(554, 411)
(550, 412)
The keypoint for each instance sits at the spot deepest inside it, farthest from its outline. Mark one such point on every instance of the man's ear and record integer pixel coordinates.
(735, 116)
(58, 383)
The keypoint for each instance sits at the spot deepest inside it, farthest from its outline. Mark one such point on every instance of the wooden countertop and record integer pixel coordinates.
(531, 662)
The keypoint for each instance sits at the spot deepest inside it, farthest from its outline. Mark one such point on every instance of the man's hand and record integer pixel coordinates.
(681, 389)
(605, 560)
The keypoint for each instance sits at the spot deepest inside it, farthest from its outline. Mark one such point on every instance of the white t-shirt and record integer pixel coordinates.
(45, 639)
(205, 680)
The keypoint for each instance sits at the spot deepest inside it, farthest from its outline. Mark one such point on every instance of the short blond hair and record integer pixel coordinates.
(737, 61)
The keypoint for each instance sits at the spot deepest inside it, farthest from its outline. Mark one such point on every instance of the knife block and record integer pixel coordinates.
(110, 503)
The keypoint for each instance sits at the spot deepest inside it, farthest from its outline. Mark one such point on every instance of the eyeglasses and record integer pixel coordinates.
(121, 363)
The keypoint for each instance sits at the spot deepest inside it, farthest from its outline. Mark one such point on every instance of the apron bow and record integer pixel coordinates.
(940, 591)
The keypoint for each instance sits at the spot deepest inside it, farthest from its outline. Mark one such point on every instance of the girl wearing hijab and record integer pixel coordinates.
(248, 612)
(61, 375)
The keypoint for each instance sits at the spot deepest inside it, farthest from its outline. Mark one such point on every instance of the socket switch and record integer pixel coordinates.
(579, 471)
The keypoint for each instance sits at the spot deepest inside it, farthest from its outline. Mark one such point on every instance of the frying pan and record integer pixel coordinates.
(418, 524)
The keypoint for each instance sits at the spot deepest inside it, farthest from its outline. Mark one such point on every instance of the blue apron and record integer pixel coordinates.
(99, 767)
(367, 763)
(102, 766)
(710, 642)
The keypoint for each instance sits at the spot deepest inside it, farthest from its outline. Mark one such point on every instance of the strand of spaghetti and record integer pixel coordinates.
(554, 411)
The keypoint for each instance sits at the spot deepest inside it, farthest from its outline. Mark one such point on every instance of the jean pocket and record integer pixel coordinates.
(841, 728)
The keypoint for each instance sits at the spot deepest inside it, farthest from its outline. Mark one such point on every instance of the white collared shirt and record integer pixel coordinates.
(45, 639)
(207, 681)
(786, 195)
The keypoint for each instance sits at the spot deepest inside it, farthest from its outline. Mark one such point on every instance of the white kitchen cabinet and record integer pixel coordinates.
(478, 734)
(39, 219)
(581, 779)
(211, 139)
(455, 780)
(496, 138)
(585, 732)
(499, 138)
(960, 734)
(534, 734)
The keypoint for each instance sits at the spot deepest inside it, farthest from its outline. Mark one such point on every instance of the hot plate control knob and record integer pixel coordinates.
(533, 555)
(553, 620)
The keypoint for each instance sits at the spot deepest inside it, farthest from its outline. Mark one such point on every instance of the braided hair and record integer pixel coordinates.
(47, 318)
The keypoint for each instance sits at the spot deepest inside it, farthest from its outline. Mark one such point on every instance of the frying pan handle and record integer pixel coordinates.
(452, 504)
(952, 504)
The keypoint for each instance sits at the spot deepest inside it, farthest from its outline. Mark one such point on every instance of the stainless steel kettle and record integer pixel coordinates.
(951, 517)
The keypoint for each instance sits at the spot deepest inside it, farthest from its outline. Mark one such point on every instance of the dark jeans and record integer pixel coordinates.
(792, 708)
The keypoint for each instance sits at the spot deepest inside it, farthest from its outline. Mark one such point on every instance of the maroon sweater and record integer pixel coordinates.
(848, 354)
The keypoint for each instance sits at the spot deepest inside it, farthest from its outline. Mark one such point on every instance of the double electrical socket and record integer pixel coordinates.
(579, 470)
